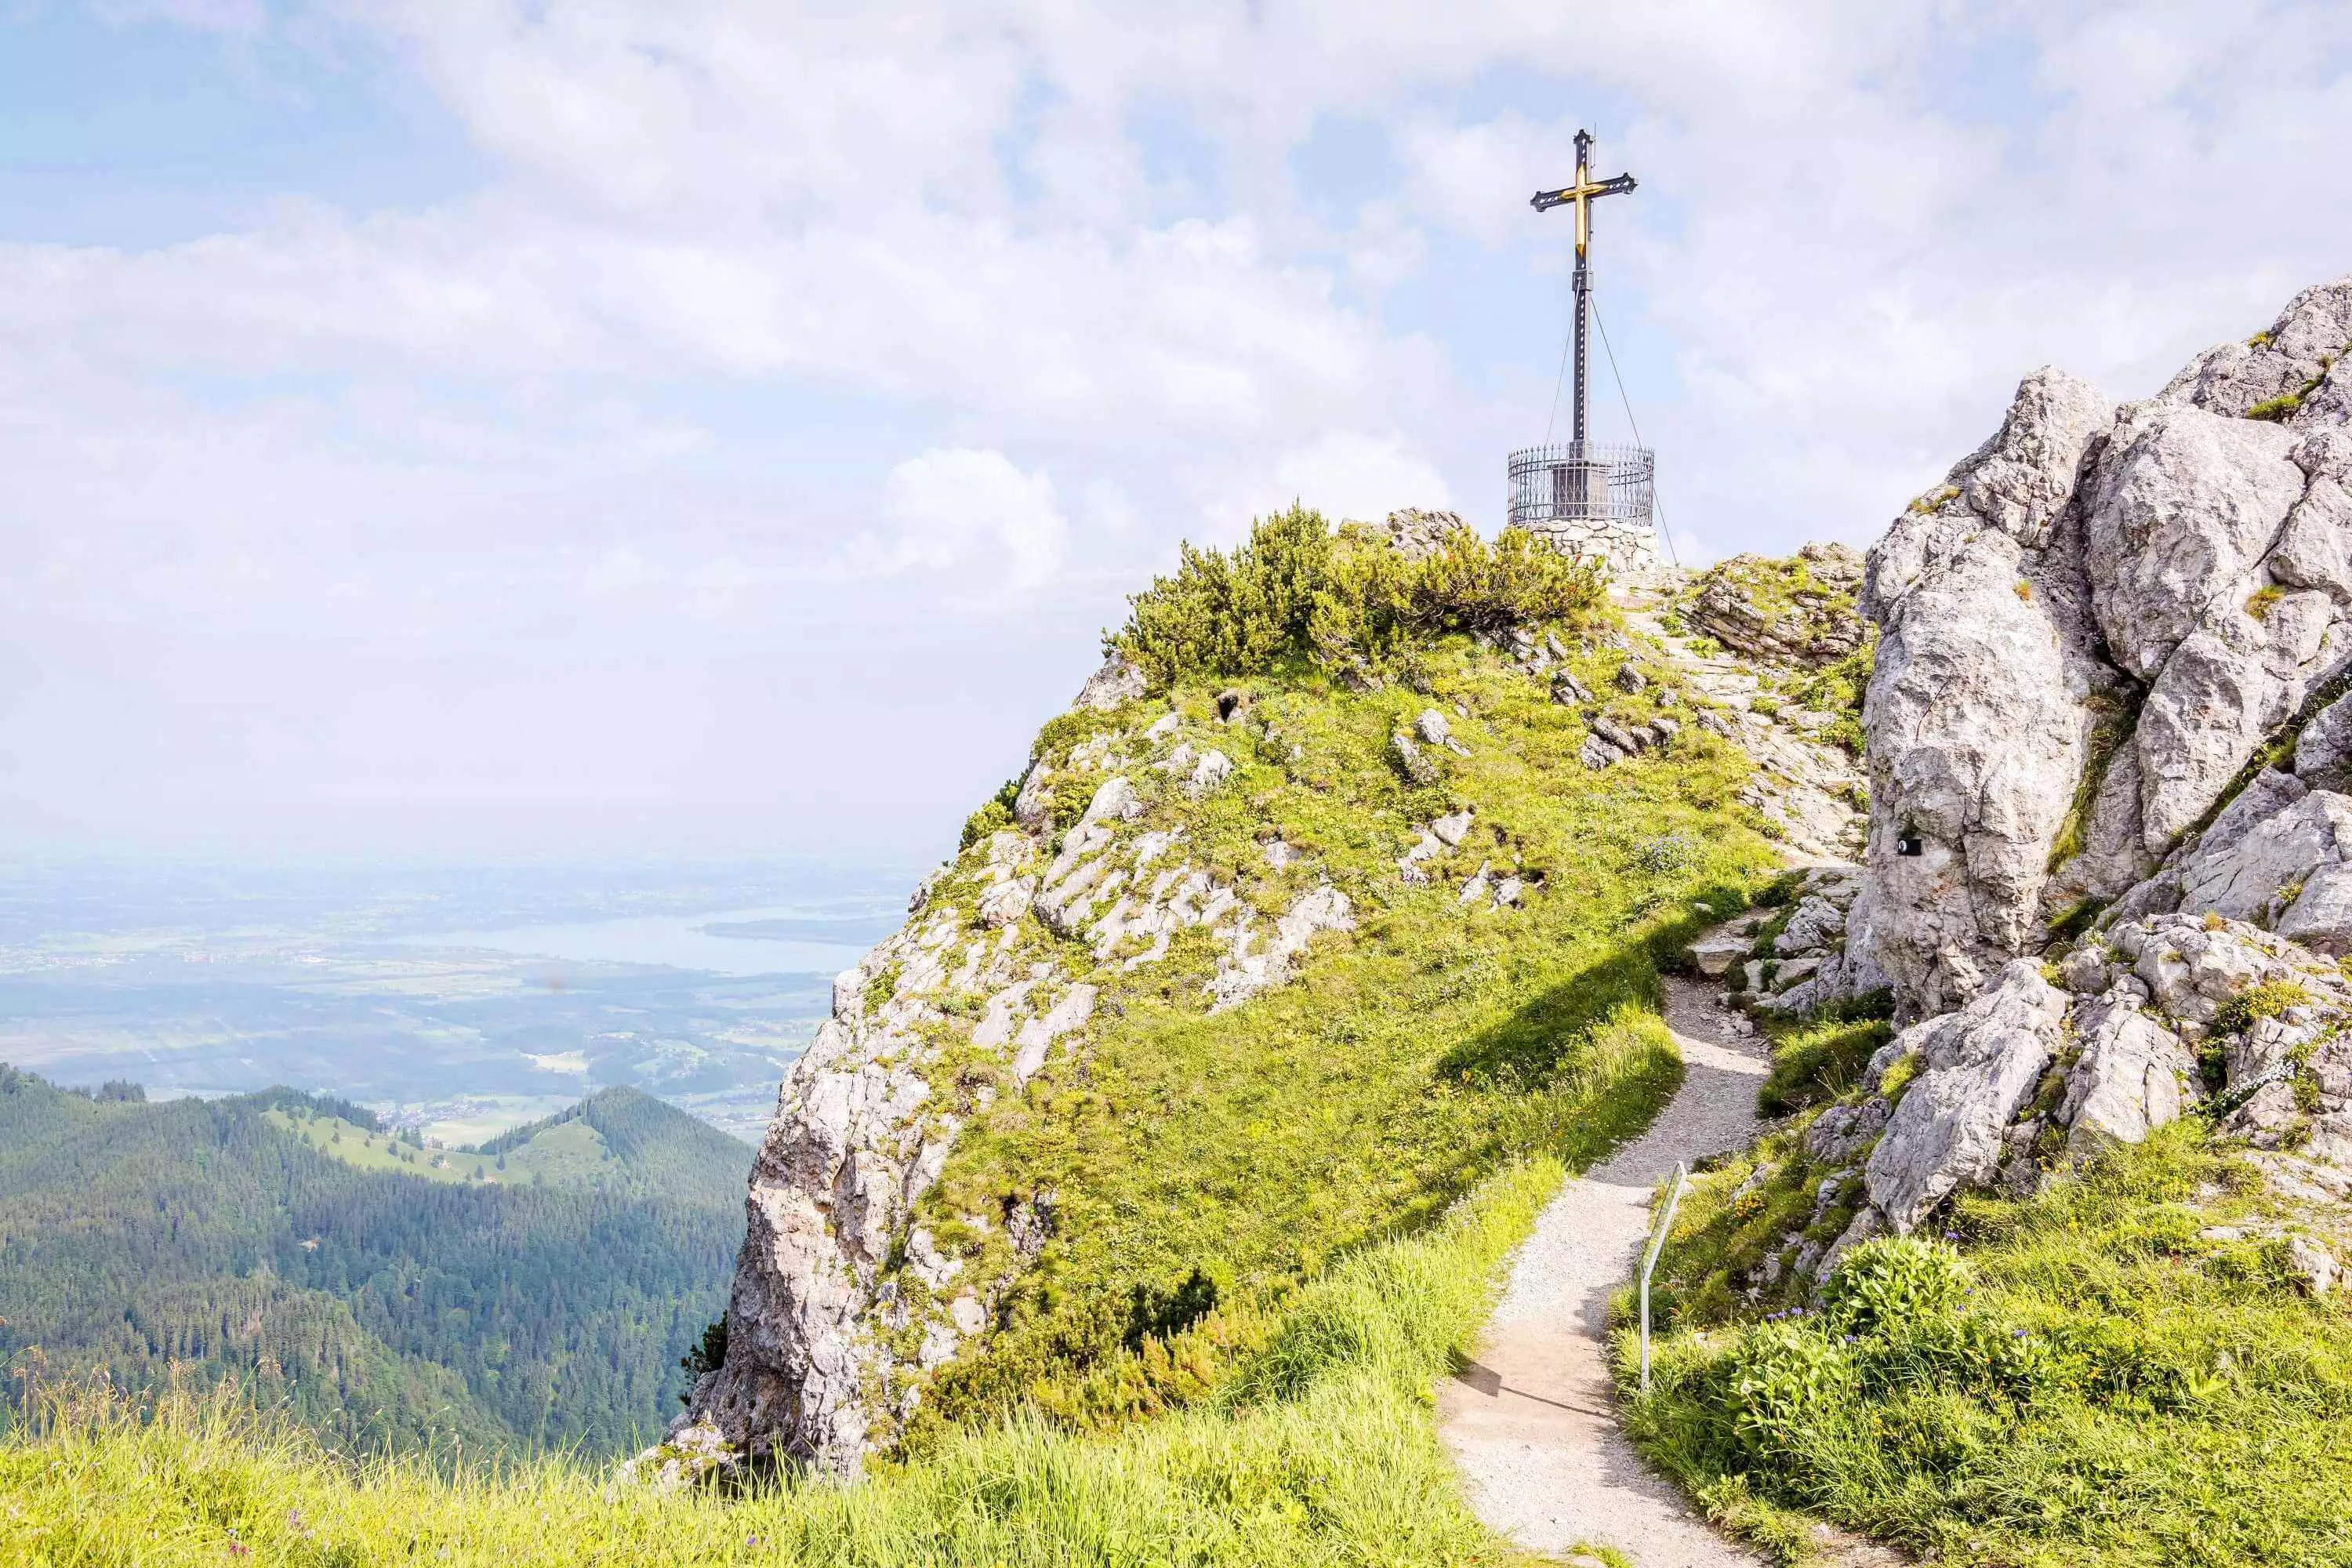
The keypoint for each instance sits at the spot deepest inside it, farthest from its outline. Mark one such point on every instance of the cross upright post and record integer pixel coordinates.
(1582, 195)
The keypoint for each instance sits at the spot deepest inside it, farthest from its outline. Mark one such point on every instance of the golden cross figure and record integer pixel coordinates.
(1583, 193)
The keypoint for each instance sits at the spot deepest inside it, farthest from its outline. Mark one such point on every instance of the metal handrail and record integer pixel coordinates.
(1658, 1244)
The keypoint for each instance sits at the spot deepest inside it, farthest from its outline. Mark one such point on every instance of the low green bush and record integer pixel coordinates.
(1882, 1284)
(1348, 600)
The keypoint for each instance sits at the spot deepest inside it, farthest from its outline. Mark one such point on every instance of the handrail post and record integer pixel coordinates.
(1649, 1262)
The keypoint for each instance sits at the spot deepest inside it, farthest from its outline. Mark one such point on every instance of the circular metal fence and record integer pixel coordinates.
(1582, 482)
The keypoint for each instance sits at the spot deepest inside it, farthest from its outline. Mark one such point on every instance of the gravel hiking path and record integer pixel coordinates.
(1532, 1421)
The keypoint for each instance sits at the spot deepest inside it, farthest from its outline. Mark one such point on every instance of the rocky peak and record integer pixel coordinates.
(2285, 372)
(1417, 533)
(2087, 633)
(2106, 877)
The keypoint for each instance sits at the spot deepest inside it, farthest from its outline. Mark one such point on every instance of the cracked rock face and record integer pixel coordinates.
(1978, 1065)
(2132, 1078)
(2112, 687)
(1975, 707)
(2087, 633)
(842, 1302)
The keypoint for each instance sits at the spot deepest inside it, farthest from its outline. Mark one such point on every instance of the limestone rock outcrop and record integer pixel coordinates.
(1799, 610)
(842, 1302)
(2087, 633)
(1116, 682)
(1976, 1067)
(1984, 663)
(2110, 753)
(1417, 533)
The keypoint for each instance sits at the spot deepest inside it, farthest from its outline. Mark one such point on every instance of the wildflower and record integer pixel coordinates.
(2017, 1333)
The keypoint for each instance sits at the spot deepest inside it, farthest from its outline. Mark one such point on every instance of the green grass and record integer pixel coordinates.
(2115, 1388)
(1816, 1060)
(363, 1150)
(1322, 1449)
(1406, 1063)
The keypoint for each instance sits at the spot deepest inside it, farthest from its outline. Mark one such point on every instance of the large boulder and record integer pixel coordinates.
(1977, 1067)
(2132, 1075)
(1975, 705)
(2181, 508)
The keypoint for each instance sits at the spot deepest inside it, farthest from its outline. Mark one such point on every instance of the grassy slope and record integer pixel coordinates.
(364, 1150)
(2119, 1388)
(616, 1140)
(1349, 1158)
(1404, 1065)
(1323, 1451)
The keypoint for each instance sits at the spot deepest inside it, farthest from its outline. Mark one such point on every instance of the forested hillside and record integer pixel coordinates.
(383, 1298)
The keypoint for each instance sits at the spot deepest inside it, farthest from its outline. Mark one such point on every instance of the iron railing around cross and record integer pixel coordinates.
(1582, 482)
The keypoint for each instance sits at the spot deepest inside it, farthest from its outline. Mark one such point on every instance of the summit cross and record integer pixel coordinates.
(1582, 195)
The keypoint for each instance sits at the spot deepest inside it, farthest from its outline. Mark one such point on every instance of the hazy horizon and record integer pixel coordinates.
(449, 996)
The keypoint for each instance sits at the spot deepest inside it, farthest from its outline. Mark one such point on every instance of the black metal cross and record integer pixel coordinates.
(1582, 195)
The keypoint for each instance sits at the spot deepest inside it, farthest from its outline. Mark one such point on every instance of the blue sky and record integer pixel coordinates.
(573, 426)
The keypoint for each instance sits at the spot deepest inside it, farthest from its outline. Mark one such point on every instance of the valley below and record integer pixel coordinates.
(456, 1001)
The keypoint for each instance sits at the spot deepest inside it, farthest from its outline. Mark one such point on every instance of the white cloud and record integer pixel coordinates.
(449, 435)
(969, 512)
(1343, 474)
(1478, 177)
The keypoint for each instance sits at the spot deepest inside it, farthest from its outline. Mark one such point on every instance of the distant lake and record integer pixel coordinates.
(775, 941)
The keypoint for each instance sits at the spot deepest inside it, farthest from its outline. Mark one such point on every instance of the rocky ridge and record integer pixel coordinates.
(1778, 625)
(1793, 611)
(2109, 742)
(847, 1300)
(862, 1129)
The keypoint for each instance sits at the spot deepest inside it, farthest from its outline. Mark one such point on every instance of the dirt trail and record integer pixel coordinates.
(1531, 1420)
